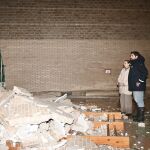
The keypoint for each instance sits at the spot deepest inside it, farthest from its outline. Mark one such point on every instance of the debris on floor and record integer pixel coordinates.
(33, 123)
(141, 124)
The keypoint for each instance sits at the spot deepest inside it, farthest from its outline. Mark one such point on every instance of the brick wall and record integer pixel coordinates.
(54, 45)
(86, 19)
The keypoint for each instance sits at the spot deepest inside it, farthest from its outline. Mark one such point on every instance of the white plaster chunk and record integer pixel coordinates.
(83, 108)
(5, 97)
(75, 115)
(26, 131)
(102, 117)
(80, 143)
(32, 141)
(82, 125)
(3, 147)
(23, 111)
(67, 101)
(97, 109)
(66, 109)
(44, 126)
(141, 124)
(62, 117)
(60, 99)
(22, 91)
(101, 131)
(57, 130)
(67, 128)
(54, 145)
(39, 140)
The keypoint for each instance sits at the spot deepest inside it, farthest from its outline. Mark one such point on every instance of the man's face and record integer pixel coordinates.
(133, 57)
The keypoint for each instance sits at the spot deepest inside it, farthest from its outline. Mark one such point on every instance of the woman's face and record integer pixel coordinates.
(126, 64)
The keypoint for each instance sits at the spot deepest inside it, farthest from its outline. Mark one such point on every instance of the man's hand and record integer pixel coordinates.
(138, 84)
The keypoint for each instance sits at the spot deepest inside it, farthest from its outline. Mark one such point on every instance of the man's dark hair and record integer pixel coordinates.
(136, 53)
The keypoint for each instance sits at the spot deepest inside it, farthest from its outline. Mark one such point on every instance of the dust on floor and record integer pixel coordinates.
(139, 136)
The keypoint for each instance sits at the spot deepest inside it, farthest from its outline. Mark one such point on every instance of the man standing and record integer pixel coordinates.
(137, 82)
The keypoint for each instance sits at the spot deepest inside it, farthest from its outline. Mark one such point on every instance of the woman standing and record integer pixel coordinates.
(125, 94)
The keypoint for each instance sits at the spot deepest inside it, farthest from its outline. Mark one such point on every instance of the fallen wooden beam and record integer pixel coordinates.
(111, 115)
(114, 141)
(120, 142)
(118, 125)
(10, 145)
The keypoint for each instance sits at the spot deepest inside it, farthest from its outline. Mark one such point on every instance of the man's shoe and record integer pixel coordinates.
(135, 115)
(140, 117)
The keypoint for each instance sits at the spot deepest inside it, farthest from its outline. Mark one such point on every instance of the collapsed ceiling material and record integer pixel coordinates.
(44, 124)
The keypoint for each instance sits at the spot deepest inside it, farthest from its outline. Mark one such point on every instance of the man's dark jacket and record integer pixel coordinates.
(137, 74)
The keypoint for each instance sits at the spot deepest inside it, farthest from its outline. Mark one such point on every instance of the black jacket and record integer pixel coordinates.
(137, 75)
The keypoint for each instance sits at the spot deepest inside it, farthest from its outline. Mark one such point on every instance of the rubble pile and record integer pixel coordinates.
(42, 124)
